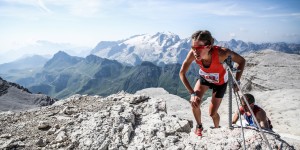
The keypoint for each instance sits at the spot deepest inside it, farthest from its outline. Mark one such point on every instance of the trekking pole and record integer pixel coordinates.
(229, 64)
(239, 98)
(243, 135)
(258, 125)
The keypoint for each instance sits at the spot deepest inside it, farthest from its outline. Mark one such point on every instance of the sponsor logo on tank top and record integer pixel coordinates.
(210, 77)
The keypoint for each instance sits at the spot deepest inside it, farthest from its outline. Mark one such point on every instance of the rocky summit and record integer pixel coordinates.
(14, 97)
(119, 121)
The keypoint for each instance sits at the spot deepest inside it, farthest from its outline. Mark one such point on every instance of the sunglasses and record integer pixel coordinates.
(246, 105)
(199, 48)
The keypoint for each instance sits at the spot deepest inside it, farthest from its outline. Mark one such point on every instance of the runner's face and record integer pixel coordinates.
(200, 49)
(245, 105)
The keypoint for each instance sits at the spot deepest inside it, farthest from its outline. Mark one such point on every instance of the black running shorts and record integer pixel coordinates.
(220, 89)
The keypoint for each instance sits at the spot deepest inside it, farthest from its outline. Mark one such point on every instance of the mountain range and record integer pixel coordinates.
(160, 48)
(34, 61)
(43, 48)
(26, 66)
(166, 47)
(65, 75)
(132, 64)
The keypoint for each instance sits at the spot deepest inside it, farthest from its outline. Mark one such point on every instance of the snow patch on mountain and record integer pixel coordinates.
(160, 48)
(166, 47)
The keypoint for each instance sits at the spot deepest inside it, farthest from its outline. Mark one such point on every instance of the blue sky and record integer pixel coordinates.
(87, 22)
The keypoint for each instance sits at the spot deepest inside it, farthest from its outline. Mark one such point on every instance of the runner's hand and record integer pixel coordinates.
(194, 100)
(235, 88)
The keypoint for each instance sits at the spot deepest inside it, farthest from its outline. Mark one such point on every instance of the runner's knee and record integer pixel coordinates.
(213, 114)
(197, 106)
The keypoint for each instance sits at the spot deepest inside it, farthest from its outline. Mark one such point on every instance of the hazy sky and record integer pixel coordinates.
(87, 22)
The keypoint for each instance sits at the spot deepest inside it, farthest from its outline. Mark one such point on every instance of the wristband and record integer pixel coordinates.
(193, 94)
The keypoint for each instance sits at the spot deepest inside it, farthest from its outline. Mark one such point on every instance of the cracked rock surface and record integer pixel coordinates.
(119, 121)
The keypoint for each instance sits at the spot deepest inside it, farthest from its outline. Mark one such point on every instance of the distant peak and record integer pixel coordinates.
(60, 58)
(166, 38)
(61, 54)
(147, 63)
(168, 33)
(107, 42)
(232, 40)
(93, 58)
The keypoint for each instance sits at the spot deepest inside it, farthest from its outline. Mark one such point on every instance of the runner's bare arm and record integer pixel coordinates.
(184, 68)
(225, 52)
(241, 62)
(235, 117)
(262, 119)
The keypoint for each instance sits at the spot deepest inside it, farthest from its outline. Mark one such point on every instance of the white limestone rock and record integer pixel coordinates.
(125, 122)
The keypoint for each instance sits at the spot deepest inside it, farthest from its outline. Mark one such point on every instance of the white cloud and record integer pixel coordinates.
(292, 35)
(24, 9)
(85, 8)
(243, 29)
(88, 21)
(267, 32)
(232, 35)
(152, 9)
(36, 3)
(271, 8)
(204, 8)
(228, 9)
(280, 15)
(23, 2)
(43, 7)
